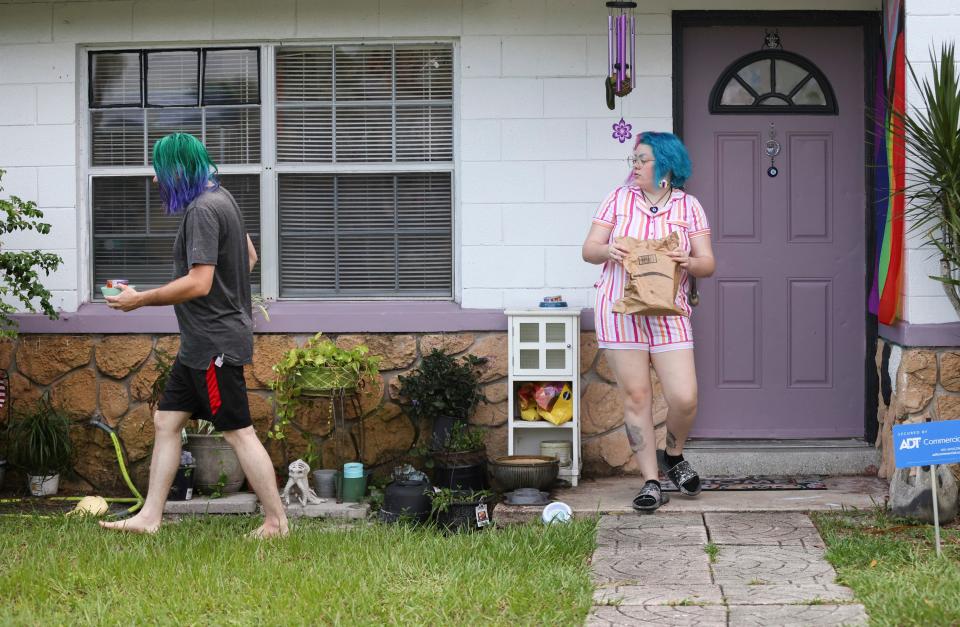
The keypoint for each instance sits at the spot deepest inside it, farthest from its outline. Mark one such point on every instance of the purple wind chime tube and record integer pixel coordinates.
(621, 49)
(610, 45)
(633, 51)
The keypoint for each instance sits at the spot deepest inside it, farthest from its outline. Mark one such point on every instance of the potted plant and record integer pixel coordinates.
(40, 445)
(443, 390)
(217, 469)
(318, 368)
(930, 133)
(462, 510)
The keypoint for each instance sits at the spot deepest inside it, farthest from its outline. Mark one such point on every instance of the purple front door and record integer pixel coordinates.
(780, 335)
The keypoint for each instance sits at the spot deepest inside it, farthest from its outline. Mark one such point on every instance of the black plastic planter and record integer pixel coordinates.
(463, 516)
(182, 488)
(466, 477)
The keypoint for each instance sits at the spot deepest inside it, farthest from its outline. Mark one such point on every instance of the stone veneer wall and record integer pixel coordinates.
(916, 385)
(112, 375)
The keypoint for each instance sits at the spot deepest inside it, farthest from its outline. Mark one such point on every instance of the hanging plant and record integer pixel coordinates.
(318, 368)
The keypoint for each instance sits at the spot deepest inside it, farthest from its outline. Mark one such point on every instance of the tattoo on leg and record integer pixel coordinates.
(635, 435)
(671, 440)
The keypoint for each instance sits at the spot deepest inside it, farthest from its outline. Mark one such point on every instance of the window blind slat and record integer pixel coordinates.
(304, 135)
(161, 122)
(133, 237)
(117, 137)
(231, 77)
(233, 134)
(115, 77)
(365, 234)
(173, 78)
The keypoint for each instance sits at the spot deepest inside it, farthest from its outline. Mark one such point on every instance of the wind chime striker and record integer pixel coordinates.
(621, 60)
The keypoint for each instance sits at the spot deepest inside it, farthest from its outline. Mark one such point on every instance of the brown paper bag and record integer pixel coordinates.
(652, 277)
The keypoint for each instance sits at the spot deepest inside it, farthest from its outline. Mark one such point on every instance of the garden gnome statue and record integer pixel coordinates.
(299, 471)
(910, 494)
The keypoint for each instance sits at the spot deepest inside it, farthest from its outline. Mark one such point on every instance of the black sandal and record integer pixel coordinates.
(682, 473)
(650, 498)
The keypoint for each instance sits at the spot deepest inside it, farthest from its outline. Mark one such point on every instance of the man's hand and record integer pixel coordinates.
(127, 300)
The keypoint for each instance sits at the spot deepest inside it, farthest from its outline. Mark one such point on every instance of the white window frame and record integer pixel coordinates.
(268, 169)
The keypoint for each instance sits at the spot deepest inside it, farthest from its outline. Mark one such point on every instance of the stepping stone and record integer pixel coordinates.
(658, 595)
(776, 594)
(330, 509)
(707, 616)
(653, 536)
(799, 615)
(653, 566)
(238, 503)
(772, 565)
(777, 529)
(640, 521)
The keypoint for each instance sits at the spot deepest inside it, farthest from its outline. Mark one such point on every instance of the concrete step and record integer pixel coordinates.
(730, 458)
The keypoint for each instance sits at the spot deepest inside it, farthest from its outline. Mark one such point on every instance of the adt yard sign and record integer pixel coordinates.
(927, 443)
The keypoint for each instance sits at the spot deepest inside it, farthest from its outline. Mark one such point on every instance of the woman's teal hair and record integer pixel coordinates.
(184, 170)
(670, 155)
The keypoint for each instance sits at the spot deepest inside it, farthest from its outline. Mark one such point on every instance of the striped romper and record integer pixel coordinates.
(626, 212)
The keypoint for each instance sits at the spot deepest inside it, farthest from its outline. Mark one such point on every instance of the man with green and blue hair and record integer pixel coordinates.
(213, 257)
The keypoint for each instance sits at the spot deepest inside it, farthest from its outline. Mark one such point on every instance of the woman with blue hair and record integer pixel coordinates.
(651, 204)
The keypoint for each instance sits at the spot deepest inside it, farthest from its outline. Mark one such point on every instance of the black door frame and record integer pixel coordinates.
(870, 22)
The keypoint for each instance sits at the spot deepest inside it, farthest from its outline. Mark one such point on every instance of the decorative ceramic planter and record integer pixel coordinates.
(214, 457)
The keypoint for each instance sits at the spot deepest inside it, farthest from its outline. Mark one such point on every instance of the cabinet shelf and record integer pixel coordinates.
(542, 424)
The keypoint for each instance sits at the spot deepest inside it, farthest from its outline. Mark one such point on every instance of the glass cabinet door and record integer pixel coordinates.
(542, 346)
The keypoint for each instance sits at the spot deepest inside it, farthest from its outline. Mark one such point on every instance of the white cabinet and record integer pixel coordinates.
(544, 346)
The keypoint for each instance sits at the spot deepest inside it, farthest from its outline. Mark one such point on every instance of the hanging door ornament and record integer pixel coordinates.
(772, 148)
(621, 60)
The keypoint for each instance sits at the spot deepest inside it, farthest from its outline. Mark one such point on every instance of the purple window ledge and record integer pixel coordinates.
(905, 334)
(292, 317)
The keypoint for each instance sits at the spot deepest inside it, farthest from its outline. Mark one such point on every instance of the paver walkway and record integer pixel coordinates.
(768, 569)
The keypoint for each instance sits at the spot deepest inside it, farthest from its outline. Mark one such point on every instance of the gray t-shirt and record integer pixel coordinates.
(220, 323)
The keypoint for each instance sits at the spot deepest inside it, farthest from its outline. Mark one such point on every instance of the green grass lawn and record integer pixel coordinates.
(892, 567)
(202, 571)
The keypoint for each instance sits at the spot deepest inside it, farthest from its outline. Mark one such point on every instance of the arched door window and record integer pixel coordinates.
(773, 81)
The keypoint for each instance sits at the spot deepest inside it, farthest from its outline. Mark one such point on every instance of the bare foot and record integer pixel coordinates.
(132, 525)
(269, 531)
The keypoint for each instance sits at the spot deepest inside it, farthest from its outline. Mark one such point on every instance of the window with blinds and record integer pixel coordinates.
(133, 236)
(380, 234)
(137, 97)
(363, 162)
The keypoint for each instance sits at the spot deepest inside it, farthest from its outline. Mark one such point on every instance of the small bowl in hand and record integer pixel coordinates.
(112, 291)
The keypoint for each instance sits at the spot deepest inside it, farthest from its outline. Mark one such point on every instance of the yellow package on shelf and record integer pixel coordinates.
(562, 409)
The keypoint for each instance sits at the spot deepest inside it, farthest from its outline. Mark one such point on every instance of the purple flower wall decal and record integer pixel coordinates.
(621, 131)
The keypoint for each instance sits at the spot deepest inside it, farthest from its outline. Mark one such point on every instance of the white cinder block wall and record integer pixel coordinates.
(929, 23)
(535, 154)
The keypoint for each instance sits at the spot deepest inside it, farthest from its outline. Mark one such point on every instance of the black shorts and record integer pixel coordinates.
(217, 394)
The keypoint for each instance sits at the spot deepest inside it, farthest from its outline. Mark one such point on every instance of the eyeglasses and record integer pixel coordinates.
(633, 161)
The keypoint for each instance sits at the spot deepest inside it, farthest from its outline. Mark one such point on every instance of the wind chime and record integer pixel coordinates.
(621, 60)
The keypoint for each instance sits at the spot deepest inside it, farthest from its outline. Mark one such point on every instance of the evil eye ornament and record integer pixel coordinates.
(772, 171)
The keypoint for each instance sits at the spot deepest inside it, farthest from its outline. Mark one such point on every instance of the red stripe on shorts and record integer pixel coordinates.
(213, 389)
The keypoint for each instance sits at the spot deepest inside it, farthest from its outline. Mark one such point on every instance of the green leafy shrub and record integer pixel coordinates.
(20, 270)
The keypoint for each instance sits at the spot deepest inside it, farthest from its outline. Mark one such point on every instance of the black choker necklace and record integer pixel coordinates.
(654, 208)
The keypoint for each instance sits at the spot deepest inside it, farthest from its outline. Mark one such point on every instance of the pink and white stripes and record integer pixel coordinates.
(626, 211)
